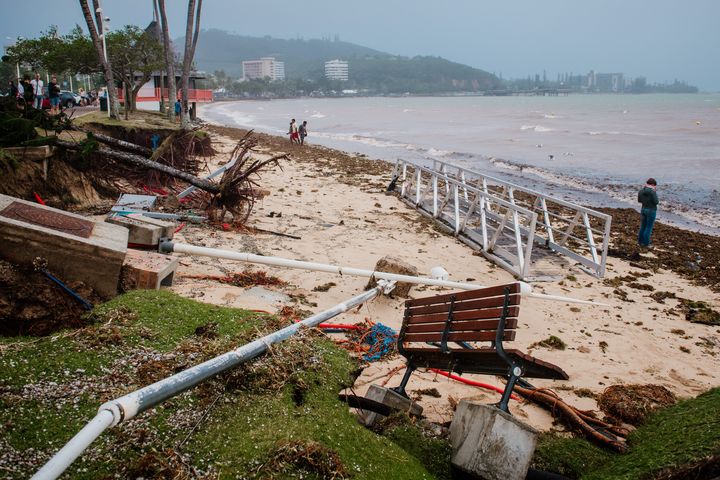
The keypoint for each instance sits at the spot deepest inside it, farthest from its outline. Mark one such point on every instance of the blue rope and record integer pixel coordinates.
(382, 342)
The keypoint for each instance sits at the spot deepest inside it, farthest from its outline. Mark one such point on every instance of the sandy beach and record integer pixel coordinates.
(336, 202)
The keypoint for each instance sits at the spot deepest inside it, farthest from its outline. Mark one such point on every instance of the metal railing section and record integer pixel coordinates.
(503, 230)
(580, 233)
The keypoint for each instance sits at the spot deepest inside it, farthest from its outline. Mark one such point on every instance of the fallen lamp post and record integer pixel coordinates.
(128, 406)
(167, 246)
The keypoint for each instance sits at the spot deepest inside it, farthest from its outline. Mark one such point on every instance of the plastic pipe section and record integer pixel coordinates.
(128, 406)
(169, 247)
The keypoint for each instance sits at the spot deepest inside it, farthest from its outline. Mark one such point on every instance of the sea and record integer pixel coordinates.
(592, 149)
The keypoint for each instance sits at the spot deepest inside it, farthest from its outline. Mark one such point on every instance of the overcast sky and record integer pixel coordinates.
(661, 39)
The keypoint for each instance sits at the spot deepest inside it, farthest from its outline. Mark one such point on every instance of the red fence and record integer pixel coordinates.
(194, 95)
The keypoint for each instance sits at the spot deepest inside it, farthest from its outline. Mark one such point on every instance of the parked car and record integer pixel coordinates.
(69, 99)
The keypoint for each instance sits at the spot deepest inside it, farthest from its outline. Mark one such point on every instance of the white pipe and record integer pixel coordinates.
(76, 446)
(525, 288)
(128, 406)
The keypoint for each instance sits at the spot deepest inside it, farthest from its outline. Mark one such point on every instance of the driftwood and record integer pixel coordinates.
(132, 159)
(114, 142)
(237, 190)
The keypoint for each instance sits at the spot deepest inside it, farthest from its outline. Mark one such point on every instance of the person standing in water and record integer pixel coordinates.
(647, 196)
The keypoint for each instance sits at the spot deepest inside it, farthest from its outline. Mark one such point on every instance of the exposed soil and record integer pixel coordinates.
(32, 304)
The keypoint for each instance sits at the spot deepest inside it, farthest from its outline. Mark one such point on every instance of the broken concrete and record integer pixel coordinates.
(148, 270)
(76, 249)
(143, 230)
(390, 264)
(490, 443)
(390, 398)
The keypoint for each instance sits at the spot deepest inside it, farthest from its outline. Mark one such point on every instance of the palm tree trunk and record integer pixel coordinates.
(97, 43)
(169, 62)
(190, 44)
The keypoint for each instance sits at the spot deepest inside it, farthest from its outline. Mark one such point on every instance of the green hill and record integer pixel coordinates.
(370, 69)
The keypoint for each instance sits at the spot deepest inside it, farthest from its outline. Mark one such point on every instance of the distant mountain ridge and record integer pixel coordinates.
(372, 69)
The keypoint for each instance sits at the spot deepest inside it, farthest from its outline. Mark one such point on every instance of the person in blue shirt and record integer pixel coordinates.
(647, 196)
(178, 110)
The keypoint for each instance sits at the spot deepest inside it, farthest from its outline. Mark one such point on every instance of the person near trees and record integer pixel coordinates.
(28, 92)
(12, 90)
(54, 95)
(647, 196)
(38, 87)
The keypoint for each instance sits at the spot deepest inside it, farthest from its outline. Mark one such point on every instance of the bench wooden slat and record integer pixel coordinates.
(464, 315)
(481, 336)
(473, 304)
(471, 325)
(466, 295)
(483, 360)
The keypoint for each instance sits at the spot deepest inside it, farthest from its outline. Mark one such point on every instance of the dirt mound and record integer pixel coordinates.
(633, 403)
(32, 304)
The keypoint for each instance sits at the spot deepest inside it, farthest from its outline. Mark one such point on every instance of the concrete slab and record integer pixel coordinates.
(490, 443)
(167, 228)
(390, 398)
(134, 203)
(148, 270)
(75, 248)
(139, 232)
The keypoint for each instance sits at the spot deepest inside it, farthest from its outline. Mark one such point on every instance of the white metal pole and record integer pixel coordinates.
(128, 406)
(75, 447)
(525, 288)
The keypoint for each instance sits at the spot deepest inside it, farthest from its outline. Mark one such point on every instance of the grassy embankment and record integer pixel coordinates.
(278, 416)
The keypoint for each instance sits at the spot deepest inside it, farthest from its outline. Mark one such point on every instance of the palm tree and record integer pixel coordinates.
(169, 61)
(105, 62)
(190, 43)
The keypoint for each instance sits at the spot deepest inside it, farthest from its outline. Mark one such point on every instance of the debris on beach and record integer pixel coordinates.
(246, 278)
(633, 403)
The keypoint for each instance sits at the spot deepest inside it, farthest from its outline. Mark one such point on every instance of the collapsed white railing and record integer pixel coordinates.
(503, 230)
(559, 219)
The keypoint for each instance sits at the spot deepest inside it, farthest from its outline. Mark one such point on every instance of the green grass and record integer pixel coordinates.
(674, 437)
(50, 387)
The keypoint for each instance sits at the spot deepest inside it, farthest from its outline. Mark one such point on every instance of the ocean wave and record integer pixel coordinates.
(616, 132)
(551, 115)
(537, 128)
(622, 192)
(318, 115)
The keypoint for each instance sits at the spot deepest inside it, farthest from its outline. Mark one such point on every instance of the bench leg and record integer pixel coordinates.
(406, 378)
(505, 399)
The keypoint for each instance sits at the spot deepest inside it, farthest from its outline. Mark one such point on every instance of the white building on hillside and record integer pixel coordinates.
(265, 67)
(336, 70)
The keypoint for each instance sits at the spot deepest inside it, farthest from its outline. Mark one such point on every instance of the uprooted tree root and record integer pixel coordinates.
(239, 189)
(312, 457)
(633, 403)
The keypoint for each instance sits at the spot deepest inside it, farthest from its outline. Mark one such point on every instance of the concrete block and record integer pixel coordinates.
(148, 270)
(167, 229)
(139, 233)
(490, 443)
(75, 248)
(391, 399)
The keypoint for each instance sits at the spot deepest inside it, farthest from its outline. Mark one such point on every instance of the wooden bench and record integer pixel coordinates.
(446, 332)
